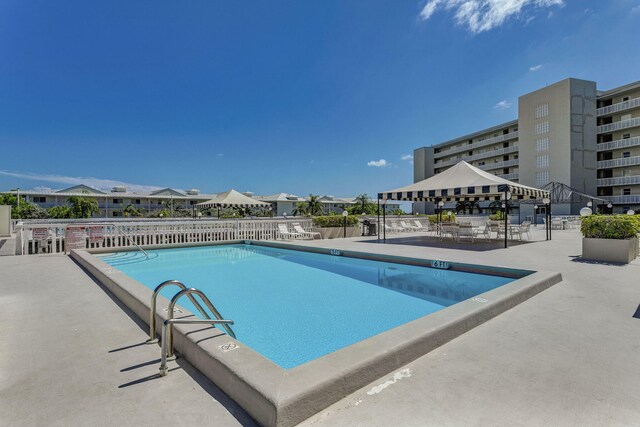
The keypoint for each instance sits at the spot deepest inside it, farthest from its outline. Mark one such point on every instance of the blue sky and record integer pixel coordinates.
(293, 96)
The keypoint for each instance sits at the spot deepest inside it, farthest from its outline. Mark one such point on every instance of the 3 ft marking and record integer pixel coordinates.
(335, 252)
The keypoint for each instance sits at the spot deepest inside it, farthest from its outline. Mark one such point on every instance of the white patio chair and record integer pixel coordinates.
(284, 232)
(484, 231)
(525, 228)
(311, 234)
(392, 228)
(466, 232)
(556, 223)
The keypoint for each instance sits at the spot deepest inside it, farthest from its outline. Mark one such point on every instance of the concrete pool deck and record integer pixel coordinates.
(569, 355)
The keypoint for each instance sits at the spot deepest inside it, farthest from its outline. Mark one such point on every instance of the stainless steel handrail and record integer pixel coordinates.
(107, 224)
(154, 298)
(167, 326)
(172, 304)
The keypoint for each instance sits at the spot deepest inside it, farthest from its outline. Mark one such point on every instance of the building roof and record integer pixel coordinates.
(620, 89)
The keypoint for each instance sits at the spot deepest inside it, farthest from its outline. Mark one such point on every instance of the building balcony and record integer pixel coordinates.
(623, 124)
(619, 163)
(619, 143)
(623, 200)
(620, 106)
(510, 176)
(484, 155)
(622, 180)
(477, 144)
(499, 165)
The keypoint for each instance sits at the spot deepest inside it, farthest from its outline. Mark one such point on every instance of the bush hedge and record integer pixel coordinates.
(610, 227)
(335, 221)
(434, 219)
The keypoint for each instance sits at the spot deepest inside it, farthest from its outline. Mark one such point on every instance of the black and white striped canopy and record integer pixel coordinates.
(231, 199)
(463, 182)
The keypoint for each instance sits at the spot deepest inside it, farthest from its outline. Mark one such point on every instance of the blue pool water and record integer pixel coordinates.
(294, 306)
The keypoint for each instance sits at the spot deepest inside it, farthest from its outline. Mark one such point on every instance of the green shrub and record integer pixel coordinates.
(434, 219)
(498, 216)
(609, 227)
(334, 221)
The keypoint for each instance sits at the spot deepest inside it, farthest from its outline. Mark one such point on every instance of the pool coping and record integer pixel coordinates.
(274, 396)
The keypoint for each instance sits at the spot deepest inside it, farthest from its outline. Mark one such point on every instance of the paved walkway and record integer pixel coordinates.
(71, 356)
(568, 356)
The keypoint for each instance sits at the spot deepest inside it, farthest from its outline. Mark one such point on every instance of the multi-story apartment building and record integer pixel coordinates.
(567, 132)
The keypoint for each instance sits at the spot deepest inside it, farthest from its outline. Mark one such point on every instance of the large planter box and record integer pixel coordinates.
(610, 250)
(338, 232)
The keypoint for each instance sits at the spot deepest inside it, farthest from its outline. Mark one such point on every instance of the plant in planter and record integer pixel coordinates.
(611, 238)
(332, 226)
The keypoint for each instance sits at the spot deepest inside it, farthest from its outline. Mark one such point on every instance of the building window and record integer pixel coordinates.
(137, 201)
(626, 98)
(39, 199)
(542, 127)
(542, 178)
(117, 201)
(542, 162)
(626, 135)
(626, 191)
(542, 111)
(542, 144)
(626, 154)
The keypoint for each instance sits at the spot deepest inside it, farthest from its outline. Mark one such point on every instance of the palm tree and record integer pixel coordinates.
(300, 209)
(462, 206)
(314, 206)
(362, 200)
(495, 206)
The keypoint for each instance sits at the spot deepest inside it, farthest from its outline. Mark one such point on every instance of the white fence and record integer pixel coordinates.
(49, 237)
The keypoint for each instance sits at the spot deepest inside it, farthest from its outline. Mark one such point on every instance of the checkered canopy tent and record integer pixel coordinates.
(462, 182)
(232, 198)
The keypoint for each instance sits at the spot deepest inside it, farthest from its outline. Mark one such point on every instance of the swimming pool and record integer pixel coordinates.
(293, 306)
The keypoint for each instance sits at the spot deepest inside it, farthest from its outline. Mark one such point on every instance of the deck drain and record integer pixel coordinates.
(228, 347)
(478, 299)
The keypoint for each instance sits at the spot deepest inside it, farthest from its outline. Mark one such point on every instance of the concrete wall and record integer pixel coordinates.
(422, 169)
(571, 134)
(5, 220)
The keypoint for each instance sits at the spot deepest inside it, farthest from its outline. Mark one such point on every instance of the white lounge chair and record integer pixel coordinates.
(284, 232)
(407, 226)
(393, 228)
(420, 226)
(311, 234)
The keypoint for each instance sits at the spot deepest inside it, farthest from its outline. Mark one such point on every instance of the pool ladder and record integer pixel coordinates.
(166, 342)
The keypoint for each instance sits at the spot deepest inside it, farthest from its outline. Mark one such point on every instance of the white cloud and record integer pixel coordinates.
(635, 9)
(502, 105)
(484, 15)
(382, 163)
(407, 157)
(220, 155)
(536, 67)
(101, 184)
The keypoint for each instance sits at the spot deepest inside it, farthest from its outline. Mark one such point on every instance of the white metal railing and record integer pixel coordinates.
(483, 155)
(620, 106)
(499, 165)
(476, 144)
(623, 199)
(619, 143)
(36, 237)
(623, 180)
(624, 124)
(510, 176)
(618, 163)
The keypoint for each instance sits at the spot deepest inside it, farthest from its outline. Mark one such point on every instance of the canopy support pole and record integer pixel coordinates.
(384, 222)
(506, 220)
(378, 224)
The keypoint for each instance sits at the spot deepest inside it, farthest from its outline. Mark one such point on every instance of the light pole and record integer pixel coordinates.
(345, 214)
(609, 206)
(440, 206)
(199, 215)
(535, 215)
(506, 196)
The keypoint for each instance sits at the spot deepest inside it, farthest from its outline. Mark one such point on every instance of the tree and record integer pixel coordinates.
(363, 205)
(26, 210)
(314, 206)
(131, 210)
(59, 212)
(83, 207)
(300, 209)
